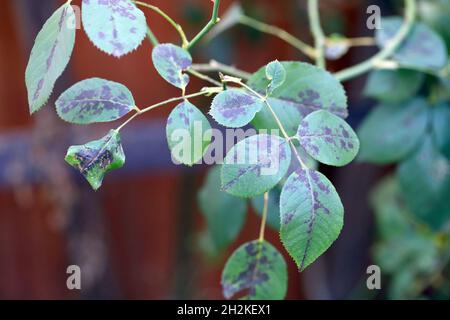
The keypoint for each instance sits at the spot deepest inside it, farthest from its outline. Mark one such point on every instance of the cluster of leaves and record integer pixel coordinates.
(306, 103)
(414, 259)
(410, 127)
(278, 172)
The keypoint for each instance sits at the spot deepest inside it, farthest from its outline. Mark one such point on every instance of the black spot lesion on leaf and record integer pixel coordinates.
(96, 158)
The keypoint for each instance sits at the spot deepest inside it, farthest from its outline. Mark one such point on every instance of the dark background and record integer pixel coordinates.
(137, 237)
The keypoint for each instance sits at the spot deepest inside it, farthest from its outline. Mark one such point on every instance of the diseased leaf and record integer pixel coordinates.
(225, 215)
(287, 112)
(96, 158)
(94, 100)
(255, 165)
(171, 61)
(311, 216)
(273, 212)
(425, 183)
(116, 27)
(309, 161)
(50, 55)
(257, 270)
(391, 132)
(188, 133)
(441, 128)
(307, 88)
(422, 49)
(235, 108)
(393, 86)
(276, 73)
(328, 139)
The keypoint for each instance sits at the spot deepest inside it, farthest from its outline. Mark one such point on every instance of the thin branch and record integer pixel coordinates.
(280, 33)
(203, 77)
(360, 41)
(215, 66)
(264, 217)
(387, 51)
(177, 27)
(212, 22)
(203, 92)
(319, 36)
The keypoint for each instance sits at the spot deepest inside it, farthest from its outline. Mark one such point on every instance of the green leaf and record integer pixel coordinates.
(435, 14)
(423, 49)
(273, 209)
(276, 73)
(255, 165)
(307, 88)
(425, 183)
(393, 86)
(441, 128)
(392, 216)
(50, 55)
(391, 132)
(94, 100)
(257, 270)
(328, 139)
(171, 61)
(96, 158)
(311, 216)
(188, 133)
(235, 108)
(116, 27)
(225, 214)
(287, 112)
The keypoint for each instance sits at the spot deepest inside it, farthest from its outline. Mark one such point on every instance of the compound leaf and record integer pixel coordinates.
(393, 86)
(425, 183)
(225, 214)
(97, 158)
(306, 89)
(171, 61)
(50, 55)
(255, 165)
(116, 27)
(188, 133)
(422, 49)
(311, 216)
(276, 73)
(328, 139)
(256, 269)
(94, 100)
(235, 108)
(391, 132)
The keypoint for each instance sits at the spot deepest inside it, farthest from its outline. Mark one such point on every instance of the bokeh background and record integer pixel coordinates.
(138, 236)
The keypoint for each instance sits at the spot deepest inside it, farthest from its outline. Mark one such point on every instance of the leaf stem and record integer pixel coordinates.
(360, 41)
(177, 27)
(387, 51)
(279, 33)
(214, 66)
(316, 28)
(264, 217)
(211, 23)
(203, 77)
(151, 36)
(203, 92)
